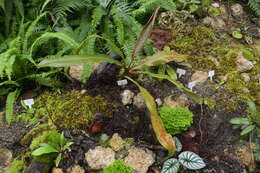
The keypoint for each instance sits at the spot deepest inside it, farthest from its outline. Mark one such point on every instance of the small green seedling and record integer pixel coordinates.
(62, 145)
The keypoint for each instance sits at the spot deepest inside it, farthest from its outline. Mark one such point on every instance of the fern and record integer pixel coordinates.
(10, 105)
(147, 6)
(255, 5)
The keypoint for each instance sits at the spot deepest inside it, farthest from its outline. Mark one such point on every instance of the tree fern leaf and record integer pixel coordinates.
(11, 98)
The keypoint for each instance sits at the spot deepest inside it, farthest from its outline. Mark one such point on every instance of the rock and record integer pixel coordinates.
(75, 169)
(200, 77)
(116, 142)
(99, 157)
(245, 77)
(181, 101)
(139, 101)
(127, 97)
(214, 22)
(37, 167)
(215, 4)
(244, 155)
(237, 10)
(76, 71)
(158, 101)
(5, 159)
(243, 64)
(139, 159)
(57, 170)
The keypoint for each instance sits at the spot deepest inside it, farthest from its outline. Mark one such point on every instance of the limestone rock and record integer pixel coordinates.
(127, 97)
(5, 159)
(243, 64)
(158, 101)
(139, 101)
(245, 77)
(116, 142)
(181, 101)
(57, 170)
(76, 169)
(99, 157)
(200, 77)
(139, 159)
(237, 10)
(76, 71)
(214, 22)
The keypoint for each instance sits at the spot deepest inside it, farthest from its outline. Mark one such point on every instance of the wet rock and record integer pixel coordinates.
(245, 77)
(181, 101)
(139, 159)
(116, 142)
(99, 157)
(159, 102)
(214, 22)
(75, 169)
(243, 64)
(200, 77)
(127, 97)
(57, 170)
(5, 159)
(237, 10)
(139, 101)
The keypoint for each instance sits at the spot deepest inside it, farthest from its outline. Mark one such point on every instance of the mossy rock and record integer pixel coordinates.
(17, 166)
(176, 119)
(72, 109)
(118, 166)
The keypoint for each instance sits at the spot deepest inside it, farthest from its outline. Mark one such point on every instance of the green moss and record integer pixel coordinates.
(17, 166)
(118, 166)
(176, 119)
(72, 109)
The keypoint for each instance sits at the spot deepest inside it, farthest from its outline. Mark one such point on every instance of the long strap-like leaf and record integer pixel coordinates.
(163, 137)
(9, 109)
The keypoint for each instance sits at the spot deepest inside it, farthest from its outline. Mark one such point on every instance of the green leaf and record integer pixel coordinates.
(160, 58)
(44, 149)
(171, 166)
(171, 72)
(57, 160)
(145, 32)
(247, 130)
(67, 145)
(178, 144)
(11, 98)
(163, 137)
(252, 108)
(71, 60)
(191, 160)
(240, 121)
(237, 34)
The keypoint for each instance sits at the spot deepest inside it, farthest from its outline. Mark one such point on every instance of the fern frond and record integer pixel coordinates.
(255, 5)
(119, 26)
(9, 109)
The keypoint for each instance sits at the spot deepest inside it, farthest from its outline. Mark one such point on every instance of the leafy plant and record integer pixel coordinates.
(255, 5)
(62, 145)
(176, 119)
(187, 159)
(118, 166)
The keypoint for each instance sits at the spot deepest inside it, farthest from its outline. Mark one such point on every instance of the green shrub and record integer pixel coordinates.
(118, 167)
(176, 119)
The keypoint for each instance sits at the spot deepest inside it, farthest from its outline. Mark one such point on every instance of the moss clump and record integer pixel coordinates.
(72, 109)
(176, 119)
(17, 166)
(118, 166)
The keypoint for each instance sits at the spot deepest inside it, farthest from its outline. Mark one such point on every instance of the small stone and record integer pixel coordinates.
(181, 101)
(237, 10)
(116, 142)
(75, 169)
(214, 22)
(158, 101)
(57, 170)
(200, 77)
(245, 77)
(243, 64)
(5, 159)
(100, 157)
(139, 159)
(127, 97)
(76, 71)
(139, 101)
(216, 5)
(244, 155)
